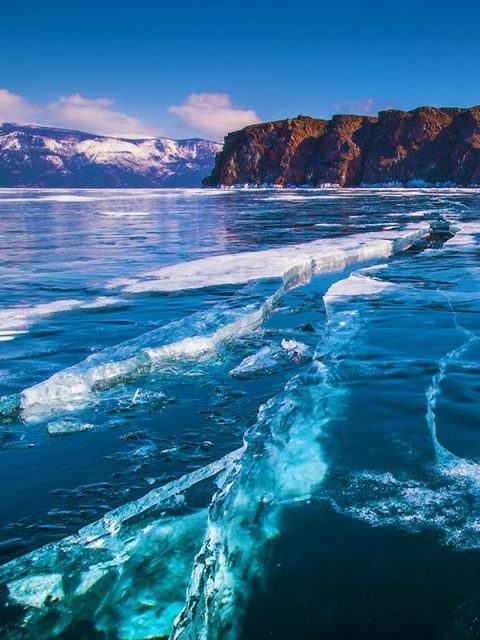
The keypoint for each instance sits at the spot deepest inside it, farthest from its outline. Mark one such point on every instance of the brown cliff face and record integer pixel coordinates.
(427, 144)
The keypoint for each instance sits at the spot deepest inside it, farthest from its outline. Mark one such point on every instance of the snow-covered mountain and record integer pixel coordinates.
(36, 156)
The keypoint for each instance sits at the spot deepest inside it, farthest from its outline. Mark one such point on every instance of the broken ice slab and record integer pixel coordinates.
(270, 359)
(125, 575)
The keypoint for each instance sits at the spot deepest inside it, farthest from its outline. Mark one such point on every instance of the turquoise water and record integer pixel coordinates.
(239, 414)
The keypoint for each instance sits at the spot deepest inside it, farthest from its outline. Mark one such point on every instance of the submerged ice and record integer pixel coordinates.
(126, 574)
(283, 463)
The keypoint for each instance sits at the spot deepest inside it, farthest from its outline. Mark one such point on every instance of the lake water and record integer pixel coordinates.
(240, 414)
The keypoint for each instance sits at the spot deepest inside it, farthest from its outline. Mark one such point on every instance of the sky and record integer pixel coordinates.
(203, 68)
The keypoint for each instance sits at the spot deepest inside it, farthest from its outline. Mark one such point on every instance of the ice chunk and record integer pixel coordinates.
(271, 358)
(64, 427)
(465, 237)
(296, 349)
(267, 360)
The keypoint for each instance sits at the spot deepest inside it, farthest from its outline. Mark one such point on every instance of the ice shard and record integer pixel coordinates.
(125, 575)
(283, 463)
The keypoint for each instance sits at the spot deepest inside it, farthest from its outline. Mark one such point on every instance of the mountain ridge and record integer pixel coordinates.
(34, 155)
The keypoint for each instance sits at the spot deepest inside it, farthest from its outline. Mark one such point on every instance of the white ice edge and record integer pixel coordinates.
(124, 214)
(465, 235)
(14, 318)
(412, 187)
(239, 268)
(99, 195)
(357, 285)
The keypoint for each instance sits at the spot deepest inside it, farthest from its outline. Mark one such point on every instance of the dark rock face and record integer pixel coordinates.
(33, 156)
(427, 145)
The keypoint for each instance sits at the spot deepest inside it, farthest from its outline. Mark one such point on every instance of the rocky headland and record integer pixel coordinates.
(433, 146)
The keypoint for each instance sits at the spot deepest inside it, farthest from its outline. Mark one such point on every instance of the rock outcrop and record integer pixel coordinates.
(427, 145)
(34, 156)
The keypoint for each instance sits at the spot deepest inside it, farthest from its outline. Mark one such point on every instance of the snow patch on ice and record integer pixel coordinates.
(357, 285)
(14, 319)
(124, 214)
(466, 236)
(292, 197)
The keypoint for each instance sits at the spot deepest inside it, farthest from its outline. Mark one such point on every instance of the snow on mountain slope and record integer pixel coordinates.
(35, 156)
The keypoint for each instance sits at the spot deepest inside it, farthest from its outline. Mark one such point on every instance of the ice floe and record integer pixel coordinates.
(326, 254)
(358, 284)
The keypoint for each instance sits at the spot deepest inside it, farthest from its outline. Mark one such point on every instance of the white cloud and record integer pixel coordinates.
(14, 108)
(95, 115)
(212, 114)
(209, 114)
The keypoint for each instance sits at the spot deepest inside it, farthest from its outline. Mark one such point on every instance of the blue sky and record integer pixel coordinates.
(200, 68)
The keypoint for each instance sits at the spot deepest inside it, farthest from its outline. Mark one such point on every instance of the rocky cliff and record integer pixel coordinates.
(427, 145)
(34, 156)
